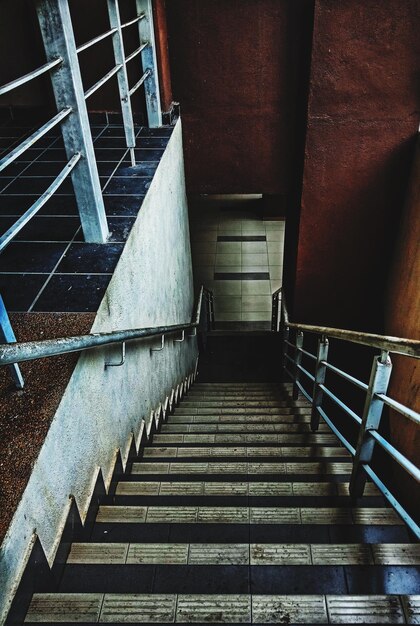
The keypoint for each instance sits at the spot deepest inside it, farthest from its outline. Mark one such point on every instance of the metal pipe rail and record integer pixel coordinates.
(376, 398)
(12, 353)
(14, 84)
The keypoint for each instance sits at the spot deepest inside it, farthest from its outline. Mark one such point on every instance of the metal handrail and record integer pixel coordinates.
(30, 350)
(376, 397)
(14, 84)
(398, 345)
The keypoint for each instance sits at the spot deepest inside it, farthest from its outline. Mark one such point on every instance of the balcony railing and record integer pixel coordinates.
(368, 424)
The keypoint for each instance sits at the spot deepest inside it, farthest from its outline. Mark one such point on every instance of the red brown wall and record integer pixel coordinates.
(235, 72)
(362, 116)
(403, 320)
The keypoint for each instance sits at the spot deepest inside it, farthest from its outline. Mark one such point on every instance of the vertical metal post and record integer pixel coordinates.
(372, 413)
(275, 321)
(298, 361)
(285, 337)
(8, 336)
(149, 62)
(320, 373)
(57, 32)
(119, 54)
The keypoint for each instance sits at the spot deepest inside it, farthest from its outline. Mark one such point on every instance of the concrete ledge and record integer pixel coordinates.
(102, 409)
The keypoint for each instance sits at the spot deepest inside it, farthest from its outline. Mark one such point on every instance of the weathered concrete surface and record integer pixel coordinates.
(363, 115)
(236, 72)
(101, 408)
(403, 319)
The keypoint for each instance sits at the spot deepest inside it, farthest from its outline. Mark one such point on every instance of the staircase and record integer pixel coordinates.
(235, 512)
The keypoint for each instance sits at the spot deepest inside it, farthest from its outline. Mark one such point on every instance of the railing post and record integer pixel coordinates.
(149, 62)
(320, 372)
(298, 361)
(57, 33)
(8, 336)
(119, 54)
(275, 319)
(372, 413)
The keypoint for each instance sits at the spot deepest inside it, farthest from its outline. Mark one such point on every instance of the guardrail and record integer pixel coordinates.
(375, 395)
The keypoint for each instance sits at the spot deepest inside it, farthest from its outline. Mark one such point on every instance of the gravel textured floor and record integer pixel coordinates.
(25, 415)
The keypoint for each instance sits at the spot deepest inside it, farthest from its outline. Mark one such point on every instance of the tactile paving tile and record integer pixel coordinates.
(411, 606)
(378, 609)
(289, 609)
(270, 489)
(98, 553)
(275, 515)
(280, 554)
(376, 516)
(396, 554)
(181, 489)
(319, 468)
(223, 515)
(216, 609)
(141, 608)
(341, 554)
(172, 514)
(158, 553)
(150, 468)
(226, 489)
(124, 514)
(312, 515)
(218, 554)
(137, 489)
(314, 489)
(64, 607)
(266, 468)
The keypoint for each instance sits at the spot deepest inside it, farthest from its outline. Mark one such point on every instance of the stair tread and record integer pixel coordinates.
(224, 608)
(244, 554)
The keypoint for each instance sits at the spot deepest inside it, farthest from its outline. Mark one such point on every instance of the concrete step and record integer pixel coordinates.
(233, 410)
(224, 608)
(229, 489)
(246, 468)
(245, 451)
(246, 515)
(256, 428)
(244, 554)
(303, 439)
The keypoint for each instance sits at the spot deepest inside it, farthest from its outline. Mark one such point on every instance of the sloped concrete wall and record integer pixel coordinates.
(102, 408)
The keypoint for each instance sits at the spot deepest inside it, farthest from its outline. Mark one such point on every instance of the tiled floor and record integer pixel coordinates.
(239, 256)
(48, 267)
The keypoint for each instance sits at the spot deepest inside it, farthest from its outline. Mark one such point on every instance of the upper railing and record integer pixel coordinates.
(368, 424)
(64, 70)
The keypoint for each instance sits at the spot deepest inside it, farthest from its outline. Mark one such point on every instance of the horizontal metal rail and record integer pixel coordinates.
(303, 390)
(31, 350)
(92, 42)
(134, 21)
(351, 379)
(32, 139)
(399, 345)
(341, 404)
(102, 81)
(136, 52)
(14, 84)
(335, 430)
(409, 467)
(140, 82)
(24, 219)
(397, 406)
(305, 371)
(295, 347)
(406, 518)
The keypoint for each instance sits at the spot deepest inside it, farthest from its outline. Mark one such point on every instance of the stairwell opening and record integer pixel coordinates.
(237, 252)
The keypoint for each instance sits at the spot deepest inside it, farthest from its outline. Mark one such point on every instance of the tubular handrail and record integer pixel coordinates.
(369, 423)
(14, 84)
(398, 345)
(29, 350)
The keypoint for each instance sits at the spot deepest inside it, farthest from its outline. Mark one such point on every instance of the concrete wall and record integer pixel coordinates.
(101, 408)
(403, 320)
